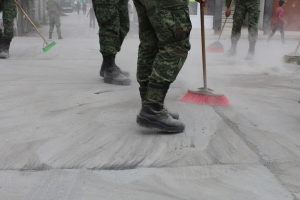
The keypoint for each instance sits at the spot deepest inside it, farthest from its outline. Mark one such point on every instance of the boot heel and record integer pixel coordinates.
(144, 122)
(108, 80)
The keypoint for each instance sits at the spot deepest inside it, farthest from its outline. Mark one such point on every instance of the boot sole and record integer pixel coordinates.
(101, 73)
(112, 81)
(156, 125)
(1, 56)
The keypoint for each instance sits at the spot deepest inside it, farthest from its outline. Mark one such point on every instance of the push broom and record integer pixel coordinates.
(293, 57)
(46, 46)
(217, 46)
(204, 95)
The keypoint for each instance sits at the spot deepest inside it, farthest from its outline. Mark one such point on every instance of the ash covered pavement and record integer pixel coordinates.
(65, 134)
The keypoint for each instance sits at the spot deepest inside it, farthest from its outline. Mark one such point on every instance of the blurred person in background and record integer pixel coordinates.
(9, 10)
(78, 6)
(243, 7)
(84, 8)
(54, 10)
(278, 22)
(113, 21)
(92, 17)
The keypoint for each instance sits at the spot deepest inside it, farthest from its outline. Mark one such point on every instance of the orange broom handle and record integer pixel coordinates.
(203, 45)
(30, 21)
(225, 21)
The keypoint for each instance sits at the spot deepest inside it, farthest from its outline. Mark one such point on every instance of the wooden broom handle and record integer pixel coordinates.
(203, 45)
(297, 47)
(225, 21)
(31, 22)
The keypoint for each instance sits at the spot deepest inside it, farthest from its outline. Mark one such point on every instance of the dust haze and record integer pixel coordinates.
(65, 134)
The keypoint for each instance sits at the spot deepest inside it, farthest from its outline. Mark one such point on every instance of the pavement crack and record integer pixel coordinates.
(104, 91)
(268, 164)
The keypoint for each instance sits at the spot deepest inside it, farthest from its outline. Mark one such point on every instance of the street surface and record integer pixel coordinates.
(67, 135)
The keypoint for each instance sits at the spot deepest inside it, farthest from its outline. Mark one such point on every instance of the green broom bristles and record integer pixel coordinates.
(292, 57)
(47, 48)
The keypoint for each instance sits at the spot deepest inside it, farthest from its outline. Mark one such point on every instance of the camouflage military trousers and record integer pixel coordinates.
(164, 30)
(9, 9)
(242, 8)
(113, 21)
(54, 20)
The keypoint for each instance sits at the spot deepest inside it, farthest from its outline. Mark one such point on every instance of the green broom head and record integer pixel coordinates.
(292, 57)
(48, 47)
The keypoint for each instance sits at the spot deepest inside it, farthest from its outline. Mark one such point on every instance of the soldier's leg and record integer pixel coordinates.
(1, 41)
(124, 22)
(9, 13)
(58, 24)
(108, 18)
(148, 48)
(51, 24)
(1, 35)
(109, 25)
(238, 18)
(171, 23)
(253, 13)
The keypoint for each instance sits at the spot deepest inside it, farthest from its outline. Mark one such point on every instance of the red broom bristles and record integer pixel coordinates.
(205, 99)
(215, 47)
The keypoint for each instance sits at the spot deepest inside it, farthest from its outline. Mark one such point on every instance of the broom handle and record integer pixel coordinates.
(297, 47)
(31, 21)
(203, 46)
(225, 21)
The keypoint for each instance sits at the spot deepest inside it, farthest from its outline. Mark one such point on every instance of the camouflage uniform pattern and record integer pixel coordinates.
(54, 9)
(164, 29)
(113, 21)
(9, 9)
(241, 9)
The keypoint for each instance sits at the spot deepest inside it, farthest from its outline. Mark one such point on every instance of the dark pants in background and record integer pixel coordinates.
(92, 19)
(275, 27)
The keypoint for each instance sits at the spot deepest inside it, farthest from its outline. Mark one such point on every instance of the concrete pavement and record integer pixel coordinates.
(67, 135)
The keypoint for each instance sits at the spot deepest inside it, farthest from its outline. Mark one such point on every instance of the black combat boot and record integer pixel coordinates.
(153, 114)
(59, 36)
(50, 35)
(111, 60)
(232, 51)
(5, 49)
(143, 92)
(251, 51)
(112, 73)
